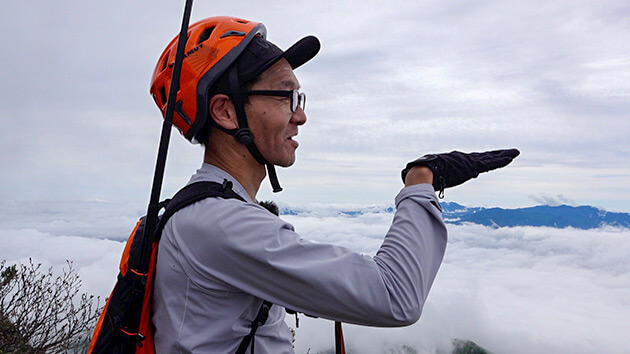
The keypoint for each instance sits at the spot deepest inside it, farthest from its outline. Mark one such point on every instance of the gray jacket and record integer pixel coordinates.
(219, 258)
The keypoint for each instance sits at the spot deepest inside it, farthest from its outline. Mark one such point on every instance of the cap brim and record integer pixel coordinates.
(262, 54)
(302, 51)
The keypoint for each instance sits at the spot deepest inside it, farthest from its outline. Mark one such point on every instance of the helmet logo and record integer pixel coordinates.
(202, 56)
(192, 51)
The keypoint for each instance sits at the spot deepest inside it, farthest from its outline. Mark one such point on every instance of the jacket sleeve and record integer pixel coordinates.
(243, 246)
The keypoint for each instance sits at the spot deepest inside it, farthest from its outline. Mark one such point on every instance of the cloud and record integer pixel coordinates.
(518, 290)
(560, 282)
(94, 219)
(95, 260)
(392, 82)
(546, 199)
(511, 290)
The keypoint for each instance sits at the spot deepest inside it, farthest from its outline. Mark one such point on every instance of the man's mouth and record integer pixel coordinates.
(294, 142)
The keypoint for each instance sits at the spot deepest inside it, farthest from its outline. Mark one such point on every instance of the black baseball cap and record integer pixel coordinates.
(260, 54)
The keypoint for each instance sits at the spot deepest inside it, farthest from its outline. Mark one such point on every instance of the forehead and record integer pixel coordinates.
(278, 76)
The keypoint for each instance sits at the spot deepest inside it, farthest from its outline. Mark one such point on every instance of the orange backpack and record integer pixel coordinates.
(125, 323)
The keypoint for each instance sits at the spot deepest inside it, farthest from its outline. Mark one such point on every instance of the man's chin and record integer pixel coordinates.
(285, 162)
(285, 158)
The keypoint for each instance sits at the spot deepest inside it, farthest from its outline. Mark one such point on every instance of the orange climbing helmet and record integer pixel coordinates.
(213, 45)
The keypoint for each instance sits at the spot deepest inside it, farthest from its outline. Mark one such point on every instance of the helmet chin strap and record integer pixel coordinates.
(242, 134)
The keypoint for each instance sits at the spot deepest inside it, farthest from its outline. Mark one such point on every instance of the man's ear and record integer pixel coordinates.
(222, 111)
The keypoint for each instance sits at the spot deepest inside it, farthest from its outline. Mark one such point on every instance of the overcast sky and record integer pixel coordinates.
(393, 81)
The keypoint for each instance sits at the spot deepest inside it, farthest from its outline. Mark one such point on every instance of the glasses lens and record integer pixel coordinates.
(297, 99)
(302, 99)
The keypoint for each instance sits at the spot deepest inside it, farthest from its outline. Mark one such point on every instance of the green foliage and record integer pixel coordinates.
(41, 312)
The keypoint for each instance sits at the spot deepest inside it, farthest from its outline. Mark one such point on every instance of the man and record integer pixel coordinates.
(220, 259)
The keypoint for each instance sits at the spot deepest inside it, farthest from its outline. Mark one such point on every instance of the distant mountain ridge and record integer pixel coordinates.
(581, 217)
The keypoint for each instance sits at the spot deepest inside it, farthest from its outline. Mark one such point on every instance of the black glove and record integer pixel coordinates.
(455, 168)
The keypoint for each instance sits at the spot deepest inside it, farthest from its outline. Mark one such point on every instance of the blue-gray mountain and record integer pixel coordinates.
(580, 217)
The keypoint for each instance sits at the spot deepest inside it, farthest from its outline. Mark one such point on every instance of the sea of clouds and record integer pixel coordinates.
(510, 290)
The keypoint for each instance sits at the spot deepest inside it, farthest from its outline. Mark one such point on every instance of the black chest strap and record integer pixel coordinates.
(261, 318)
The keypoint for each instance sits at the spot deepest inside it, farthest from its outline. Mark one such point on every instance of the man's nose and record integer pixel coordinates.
(299, 117)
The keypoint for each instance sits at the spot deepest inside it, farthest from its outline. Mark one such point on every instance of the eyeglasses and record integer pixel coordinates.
(298, 99)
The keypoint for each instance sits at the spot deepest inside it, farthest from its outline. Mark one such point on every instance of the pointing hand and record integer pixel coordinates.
(454, 168)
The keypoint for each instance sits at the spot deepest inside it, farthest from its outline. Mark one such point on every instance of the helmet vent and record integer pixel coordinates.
(163, 94)
(233, 33)
(242, 21)
(205, 34)
(164, 63)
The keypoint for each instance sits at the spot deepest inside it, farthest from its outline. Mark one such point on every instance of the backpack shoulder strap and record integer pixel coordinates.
(193, 193)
